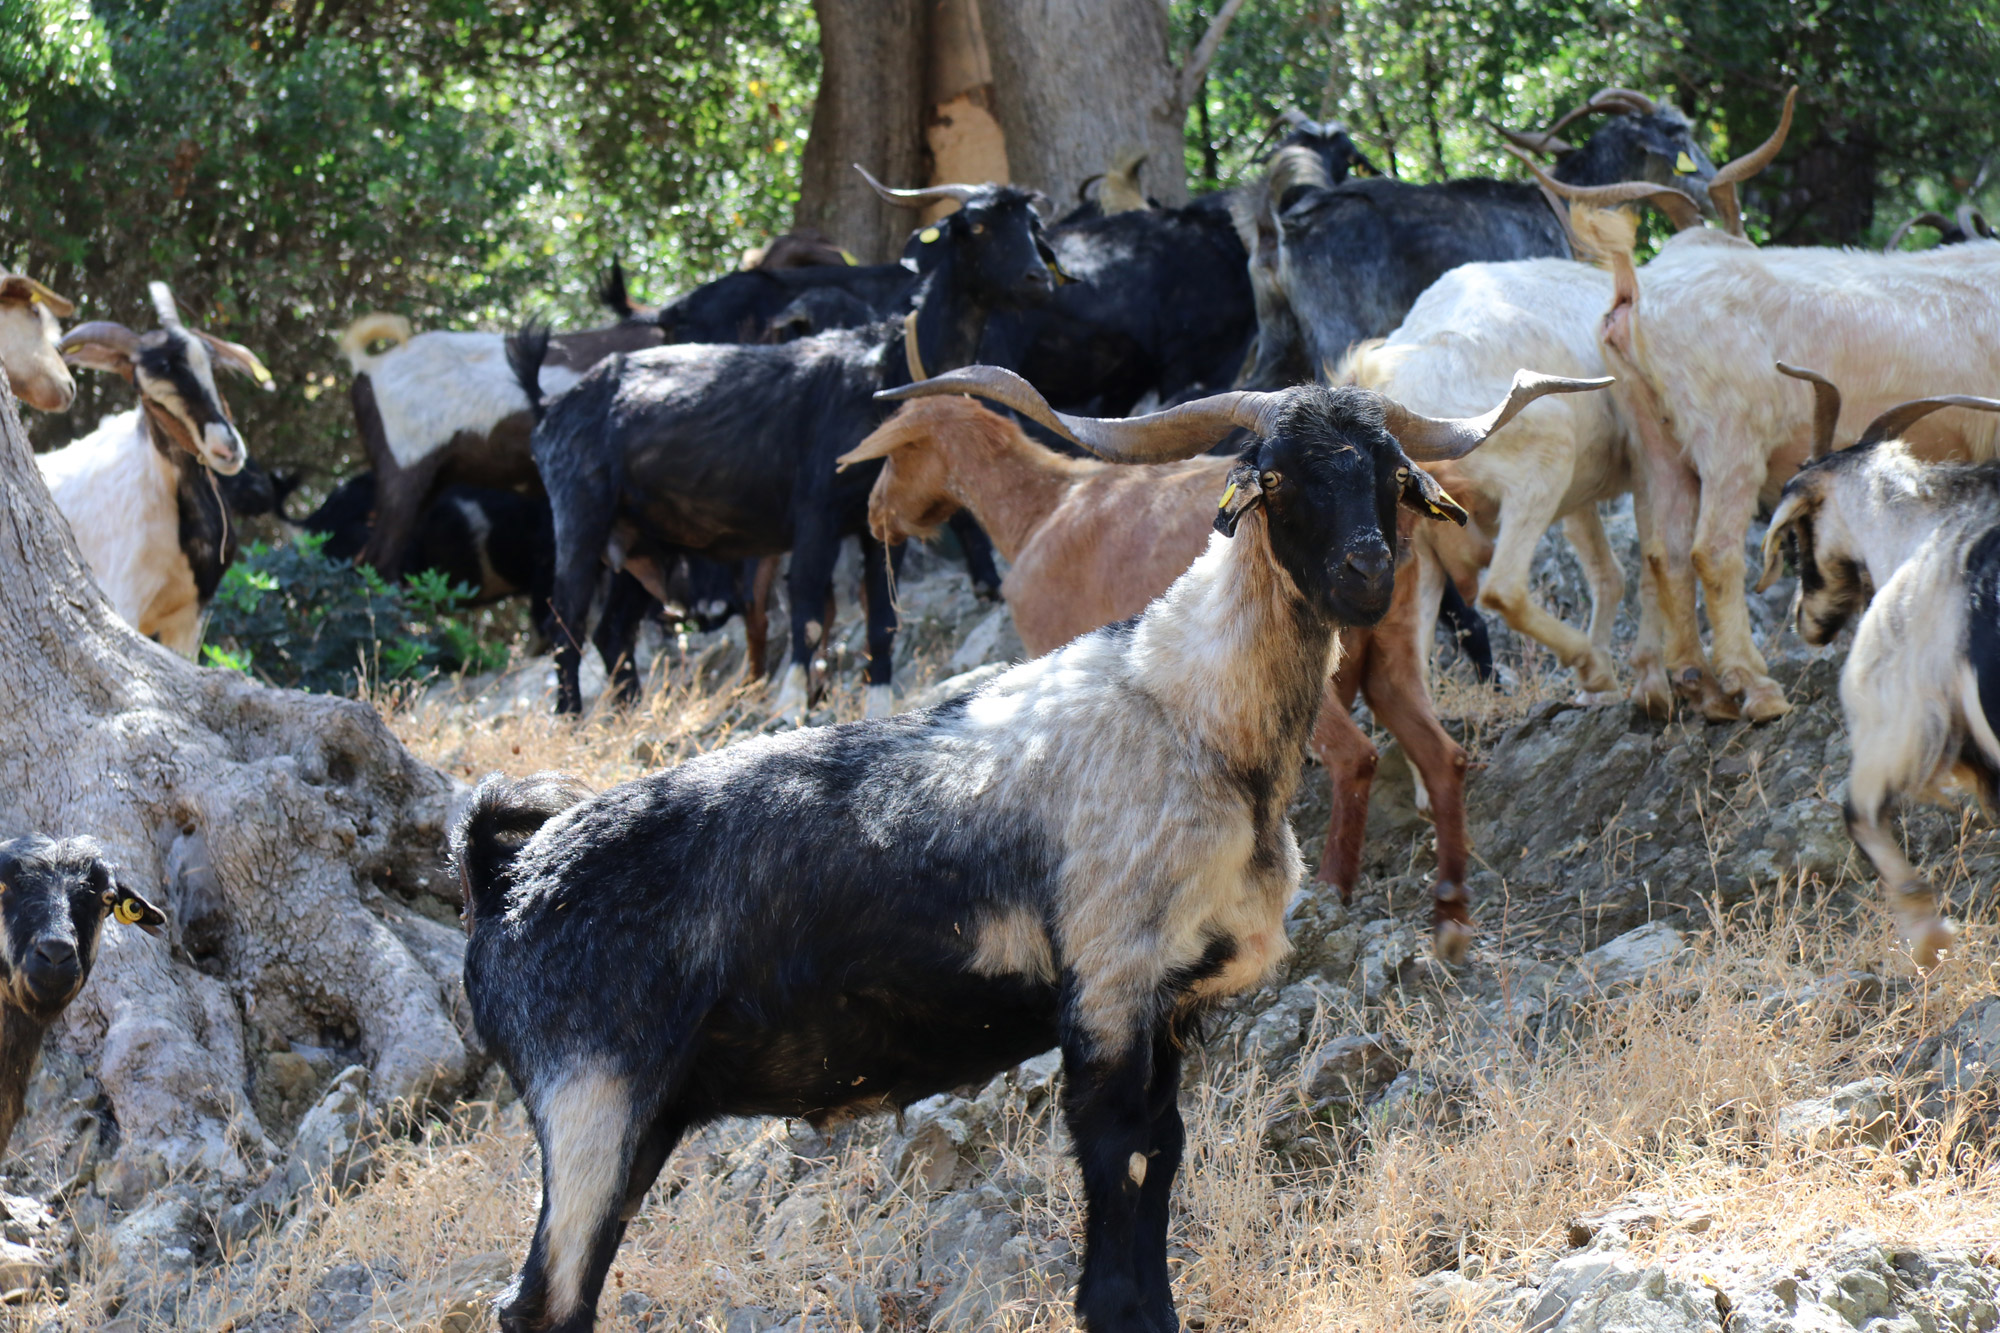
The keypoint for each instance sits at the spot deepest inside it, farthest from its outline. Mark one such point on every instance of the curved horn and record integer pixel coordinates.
(163, 305)
(1896, 420)
(1440, 439)
(1624, 101)
(929, 194)
(1970, 221)
(1533, 141)
(100, 345)
(1680, 207)
(1722, 186)
(1934, 220)
(1826, 406)
(1158, 437)
(913, 357)
(238, 358)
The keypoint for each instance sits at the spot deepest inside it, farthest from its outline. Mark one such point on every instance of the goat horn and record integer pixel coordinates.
(1533, 141)
(1826, 406)
(238, 358)
(1624, 101)
(1441, 439)
(100, 344)
(929, 194)
(1680, 207)
(1158, 437)
(163, 305)
(1970, 221)
(1937, 221)
(1722, 186)
(1896, 420)
(913, 357)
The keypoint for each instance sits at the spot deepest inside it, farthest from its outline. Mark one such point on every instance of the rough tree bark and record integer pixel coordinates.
(869, 110)
(285, 834)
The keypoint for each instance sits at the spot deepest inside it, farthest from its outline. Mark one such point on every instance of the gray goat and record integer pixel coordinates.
(1085, 852)
(1918, 546)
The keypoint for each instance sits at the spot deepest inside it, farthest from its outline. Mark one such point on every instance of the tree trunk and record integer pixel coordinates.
(870, 110)
(961, 130)
(1081, 82)
(293, 842)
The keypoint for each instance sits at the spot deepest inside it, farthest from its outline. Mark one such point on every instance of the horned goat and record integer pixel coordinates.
(1691, 337)
(1915, 548)
(1089, 543)
(29, 332)
(138, 491)
(1085, 852)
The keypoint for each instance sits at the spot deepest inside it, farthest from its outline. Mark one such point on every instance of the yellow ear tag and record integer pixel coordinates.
(1684, 164)
(128, 911)
(927, 235)
(1227, 496)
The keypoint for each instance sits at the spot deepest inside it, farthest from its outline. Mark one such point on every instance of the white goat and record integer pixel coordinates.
(28, 336)
(150, 522)
(1918, 545)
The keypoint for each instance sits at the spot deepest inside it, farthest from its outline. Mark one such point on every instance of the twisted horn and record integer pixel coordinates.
(1896, 420)
(1826, 406)
(1441, 439)
(1533, 141)
(1970, 221)
(929, 194)
(1158, 437)
(1679, 206)
(163, 305)
(1938, 222)
(1722, 186)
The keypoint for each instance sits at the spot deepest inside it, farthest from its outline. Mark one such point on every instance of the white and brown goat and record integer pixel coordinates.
(29, 332)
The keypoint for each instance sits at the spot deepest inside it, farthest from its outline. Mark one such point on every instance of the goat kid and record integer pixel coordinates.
(138, 492)
(29, 332)
(1086, 851)
(1090, 543)
(1914, 547)
(54, 898)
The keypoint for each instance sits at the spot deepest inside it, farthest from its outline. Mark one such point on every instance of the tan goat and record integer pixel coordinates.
(1090, 543)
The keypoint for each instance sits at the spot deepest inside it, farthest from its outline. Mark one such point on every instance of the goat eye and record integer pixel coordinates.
(1270, 481)
(1402, 476)
(979, 229)
(109, 897)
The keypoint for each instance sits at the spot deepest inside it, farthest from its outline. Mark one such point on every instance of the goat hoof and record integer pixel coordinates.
(1452, 942)
(1764, 701)
(1651, 697)
(1928, 942)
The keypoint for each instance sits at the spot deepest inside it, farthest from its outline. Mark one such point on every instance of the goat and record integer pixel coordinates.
(440, 408)
(29, 332)
(1085, 852)
(499, 543)
(54, 898)
(1089, 543)
(1968, 225)
(1333, 264)
(1915, 548)
(1690, 336)
(148, 517)
(728, 451)
(807, 247)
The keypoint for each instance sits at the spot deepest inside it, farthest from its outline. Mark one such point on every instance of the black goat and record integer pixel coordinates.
(497, 542)
(1162, 305)
(1085, 852)
(728, 451)
(1334, 263)
(54, 897)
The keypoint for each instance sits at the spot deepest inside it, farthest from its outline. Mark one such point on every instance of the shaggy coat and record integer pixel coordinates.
(1086, 851)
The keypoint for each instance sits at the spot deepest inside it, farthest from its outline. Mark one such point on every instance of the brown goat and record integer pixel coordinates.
(1089, 543)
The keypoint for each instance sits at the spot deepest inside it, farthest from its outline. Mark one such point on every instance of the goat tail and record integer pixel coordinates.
(526, 351)
(375, 327)
(502, 816)
(611, 292)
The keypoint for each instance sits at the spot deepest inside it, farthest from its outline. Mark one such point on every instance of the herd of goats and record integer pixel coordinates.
(1258, 446)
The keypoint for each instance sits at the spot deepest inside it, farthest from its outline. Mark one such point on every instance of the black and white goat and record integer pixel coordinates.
(28, 336)
(1084, 852)
(137, 491)
(54, 897)
(1914, 547)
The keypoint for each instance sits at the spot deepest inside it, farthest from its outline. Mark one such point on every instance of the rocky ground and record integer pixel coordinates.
(1683, 1082)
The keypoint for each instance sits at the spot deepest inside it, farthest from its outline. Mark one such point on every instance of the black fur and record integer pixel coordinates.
(1982, 647)
(1467, 629)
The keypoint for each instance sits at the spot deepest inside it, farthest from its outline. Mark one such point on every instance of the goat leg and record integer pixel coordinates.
(1108, 1100)
(1349, 758)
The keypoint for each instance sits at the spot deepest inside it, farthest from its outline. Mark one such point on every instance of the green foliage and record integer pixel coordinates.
(292, 617)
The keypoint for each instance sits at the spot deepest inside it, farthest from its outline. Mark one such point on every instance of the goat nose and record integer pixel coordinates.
(55, 953)
(1370, 563)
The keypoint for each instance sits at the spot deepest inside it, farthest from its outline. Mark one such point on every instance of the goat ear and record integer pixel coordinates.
(1241, 493)
(1791, 509)
(1420, 491)
(22, 290)
(238, 358)
(126, 906)
(1055, 267)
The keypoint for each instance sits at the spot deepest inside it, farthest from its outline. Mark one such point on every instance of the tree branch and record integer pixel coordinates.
(1198, 60)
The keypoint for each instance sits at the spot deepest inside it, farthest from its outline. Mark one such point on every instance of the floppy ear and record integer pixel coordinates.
(1791, 509)
(126, 906)
(1241, 493)
(238, 358)
(1048, 254)
(1420, 491)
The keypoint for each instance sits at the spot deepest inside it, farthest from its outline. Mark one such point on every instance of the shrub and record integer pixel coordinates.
(292, 617)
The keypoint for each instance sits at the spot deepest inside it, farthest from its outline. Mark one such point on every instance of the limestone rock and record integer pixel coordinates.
(333, 1144)
(1626, 960)
(1859, 1112)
